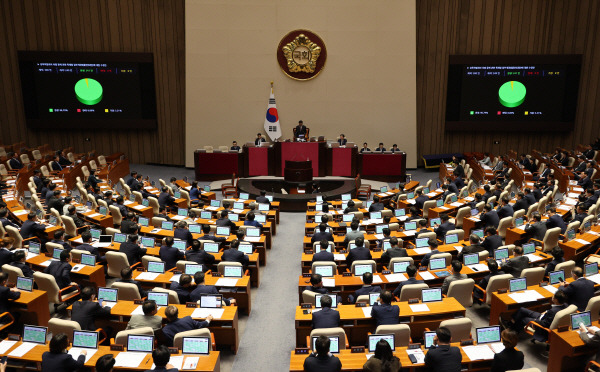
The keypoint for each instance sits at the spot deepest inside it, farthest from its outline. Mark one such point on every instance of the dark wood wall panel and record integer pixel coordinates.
(155, 26)
(503, 27)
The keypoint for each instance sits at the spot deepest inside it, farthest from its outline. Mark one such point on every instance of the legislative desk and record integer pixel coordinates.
(33, 359)
(316, 152)
(568, 352)
(258, 160)
(86, 275)
(33, 307)
(575, 249)
(139, 209)
(342, 161)
(217, 164)
(204, 195)
(357, 325)
(114, 171)
(378, 165)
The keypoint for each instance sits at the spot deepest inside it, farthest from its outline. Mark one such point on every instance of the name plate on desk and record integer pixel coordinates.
(308, 252)
(116, 347)
(563, 328)
(413, 300)
(347, 274)
(191, 304)
(423, 268)
(302, 351)
(138, 302)
(376, 249)
(361, 304)
(306, 275)
(173, 350)
(14, 337)
(386, 272)
(306, 306)
(502, 290)
(466, 342)
(357, 349)
(216, 274)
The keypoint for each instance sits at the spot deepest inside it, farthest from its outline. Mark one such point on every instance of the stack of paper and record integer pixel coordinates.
(418, 353)
(422, 250)
(23, 349)
(497, 347)
(581, 241)
(127, 202)
(201, 312)
(396, 278)
(479, 267)
(190, 363)
(147, 276)
(594, 278)
(550, 288)
(226, 282)
(379, 236)
(5, 345)
(376, 279)
(526, 296)
(175, 278)
(328, 282)
(75, 351)
(77, 267)
(478, 352)
(339, 257)
(418, 308)
(138, 311)
(443, 207)
(426, 275)
(410, 232)
(175, 361)
(366, 311)
(456, 204)
(130, 359)
(94, 215)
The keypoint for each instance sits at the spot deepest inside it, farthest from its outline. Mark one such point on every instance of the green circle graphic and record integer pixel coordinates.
(88, 91)
(512, 93)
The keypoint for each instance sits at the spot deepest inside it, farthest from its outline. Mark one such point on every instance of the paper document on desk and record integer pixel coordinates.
(127, 202)
(175, 278)
(392, 278)
(573, 195)
(402, 218)
(175, 361)
(496, 347)
(108, 304)
(526, 296)
(578, 189)
(444, 208)
(479, 267)
(564, 207)
(31, 255)
(475, 218)
(594, 278)
(139, 207)
(178, 218)
(77, 267)
(478, 352)
(94, 215)
(533, 258)
(376, 279)
(411, 201)
(410, 232)
(190, 363)
(376, 220)
(422, 250)
(200, 312)
(138, 311)
(23, 349)
(581, 241)
(147, 276)
(339, 257)
(426, 275)
(570, 201)
(550, 288)
(469, 198)
(522, 228)
(129, 359)
(75, 351)
(328, 282)
(379, 236)
(253, 239)
(418, 308)
(366, 311)
(418, 353)
(226, 282)
(211, 208)
(237, 211)
(20, 212)
(456, 204)
(46, 263)
(458, 248)
(5, 345)
(593, 233)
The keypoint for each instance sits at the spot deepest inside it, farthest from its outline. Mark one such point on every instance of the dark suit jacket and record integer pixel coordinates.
(257, 141)
(442, 229)
(508, 359)
(55, 203)
(226, 222)
(420, 201)
(521, 204)
(459, 170)
(182, 293)
(133, 252)
(84, 313)
(530, 198)
(165, 199)
(392, 253)
(263, 200)
(5, 257)
(444, 358)
(181, 325)
(537, 194)
(321, 290)
(376, 207)
(318, 236)
(234, 255)
(214, 238)
(205, 289)
(31, 228)
(536, 230)
(52, 362)
(452, 188)
(128, 227)
(363, 291)
(401, 284)
(492, 243)
(27, 271)
(483, 283)
(56, 166)
(15, 163)
(342, 142)
(505, 211)
(579, 292)
(61, 271)
(201, 257)
(427, 257)
(170, 255)
(6, 295)
(556, 221)
(323, 256)
(470, 249)
(183, 234)
(459, 182)
(327, 363)
(385, 314)
(326, 318)
(358, 253)
(515, 265)
(93, 250)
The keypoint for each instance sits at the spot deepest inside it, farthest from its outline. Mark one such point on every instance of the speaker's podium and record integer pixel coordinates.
(298, 171)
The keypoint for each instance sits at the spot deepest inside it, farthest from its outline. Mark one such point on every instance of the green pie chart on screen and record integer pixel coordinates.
(88, 91)
(512, 93)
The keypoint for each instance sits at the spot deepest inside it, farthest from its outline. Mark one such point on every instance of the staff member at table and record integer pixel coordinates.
(259, 140)
(342, 140)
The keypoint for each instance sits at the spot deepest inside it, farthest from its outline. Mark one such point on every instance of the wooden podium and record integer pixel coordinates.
(298, 171)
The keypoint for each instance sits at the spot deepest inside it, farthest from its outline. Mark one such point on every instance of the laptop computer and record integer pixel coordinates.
(143, 221)
(570, 234)
(156, 267)
(590, 269)
(557, 276)
(347, 217)
(147, 242)
(471, 259)
(192, 269)
(34, 247)
(478, 232)
(211, 247)
(85, 339)
(334, 344)
(177, 194)
(474, 212)
(318, 300)
(528, 248)
(211, 301)
(319, 198)
(374, 339)
(453, 198)
(233, 271)
(584, 318)
(451, 238)
(386, 245)
(180, 244)
(24, 284)
(205, 215)
(196, 345)
(244, 196)
(145, 202)
(500, 254)
(120, 238)
(104, 241)
(437, 263)
(487, 335)
(246, 248)
(359, 270)
(108, 294)
(410, 195)
(253, 232)
(238, 206)
(223, 230)
(140, 343)
(88, 259)
(206, 188)
(167, 225)
(434, 221)
(383, 189)
(270, 197)
(373, 297)
(431, 295)
(346, 197)
(215, 203)
(233, 217)
(161, 298)
(400, 267)
(52, 220)
(261, 218)
(35, 334)
(519, 221)
(324, 271)
(56, 253)
(517, 284)
(410, 226)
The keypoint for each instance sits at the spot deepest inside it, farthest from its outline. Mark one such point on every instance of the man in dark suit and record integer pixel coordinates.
(59, 238)
(126, 277)
(380, 148)
(225, 221)
(323, 255)
(529, 196)
(483, 283)
(61, 159)
(518, 263)
(394, 251)
(93, 180)
(579, 291)
(170, 254)
(37, 180)
(443, 357)
(377, 205)
(57, 359)
(474, 247)
(458, 181)
(182, 232)
(234, 146)
(7, 294)
(342, 140)
(165, 199)
(50, 191)
(451, 186)
(14, 161)
(129, 224)
(383, 312)
(175, 324)
(234, 255)
(316, 284)
(183, 288)
(554, 220)
(584, 181)
(56, 202)
(198, 255)
(487, 193)
(72, 213)
(326, 317)
(301, 130)
(208, 236)
(535, 229)
(492, 240)
(420, 199)
(87, 310)
(505, 210)
(537, 192)
(411, 271)
(433, 245)
(61, 270)
(365, 289)
(86, 238)
(322, 234)
(489, 217)
(581, 214)
(132, 249)
(31, 228)
(259, 140)
(19, 262)
(521, 203)
(262, 198)
(358, 253)
(459, 171)
(55, 165)
(523, 316)
(441, 230)
(202, 289)
(351, 207)
(4, 219)
(321, 360)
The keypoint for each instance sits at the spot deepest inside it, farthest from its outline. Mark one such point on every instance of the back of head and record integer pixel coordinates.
(148, 307)
(324, 244)
(206, 229)
(171, 313)
(58, 343)
(474, 239)
(518, 251)
(322, 227)
(386, 297)
(185, 279)
(492, 265)
(105, 363)
(578, 271)
(322, 345)
(456, 266)
(359, 241)
(132, 238)
(394, 241)
(250, 216)
(126, 273)
(444, 217)
(196, 245)
(383, 352)
(86, 236)
(423, 224)
(444, 335)
(354, 225)
(65, 255)
(367, 278)
(509, 338)
(326, 301)
(87, 293)
(557, 253)
(560, 297)
(199, 277)
(169, 241)
(315, 279)
(411, 271)
(433, 244)
(161, 356)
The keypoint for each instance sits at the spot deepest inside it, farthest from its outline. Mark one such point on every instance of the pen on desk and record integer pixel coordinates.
(147, 360)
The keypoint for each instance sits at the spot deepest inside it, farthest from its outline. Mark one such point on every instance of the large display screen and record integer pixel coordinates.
(521, 92)
(88, 90)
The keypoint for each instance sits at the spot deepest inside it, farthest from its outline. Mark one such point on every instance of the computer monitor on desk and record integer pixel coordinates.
(488, 335)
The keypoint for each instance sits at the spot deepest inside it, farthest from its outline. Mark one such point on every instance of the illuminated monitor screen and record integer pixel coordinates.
(437, 263)
(196, 345)
(474, 212)
(478, 232)
(374, 339)
(410, 225)
(426, 190)
(156, 267)
(517, 284)
(422, 242)
(108, 294)
(373, 297)
(471, 259)
(238, 205)
(211, 301)
(400, 212)
(211, 247)
(192, 269)
(260, 218)
(379, 228)
(528, 248)
(85, 339)
(52, 220)
(500, 254)
(180, 244)
(571, 234)
(518, 221)
(428, 337)
(400, 267)
(584, 318)
(88, 259)
(269, 197)
(143, 221)
(383, 189)
(346, 197)
(140, 343)
(557, 276)
(591, 269)
(147, 242)
(25, 284)
(182, 212)
(439, 203)
(120, 238)
(347, 217)
(195, 229)
(246, 248)
(375, 215)
(34, 334)
(453, 198)
(215, 203)
(206, 215)
(56, 253)
(161, 299)
(95, 233)
(206, 188)
(318, 300)
(361, 269)
(103, 211)
(253, 232)
(167, 225)
(223, 230)
(410, 195)
(319, 199)
(434, 221)
(488, 335)
(451, 238)
(334, 344)
(34, 247)
(234, 217)
(386, 245)
(233, 271)
(177, 195)
(431, 295)
(145, 202)
(263, 207)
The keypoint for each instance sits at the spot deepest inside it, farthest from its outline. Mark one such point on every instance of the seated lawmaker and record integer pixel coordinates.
(360, 252)
(322, 234)
(202, 289)
(183, 288)
(380, 148)
(442, 357)
(132, 249)
(175, 324)
(259, 141)
(365, 148)
(198, 255)
(19, 262)
(234, 255)
(126, 277)
(208, 236)
(249, 221)
(323, 254)
(321, 359)
(161, 357)
(87, 310)
(316, 284)
(326, 317)
(365, 289)
(411, 271)
(170, 254)
(61, 270)
(57, 358)
(342, 140)
(383, 312)
(148, 319)
(234, 146)
(300, 131)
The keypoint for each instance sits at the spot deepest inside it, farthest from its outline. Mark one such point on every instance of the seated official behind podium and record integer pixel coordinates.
(383, 312)
(234, 146)
(148, 319)
(259, 141)
(441, 357)
(161, 357)
(57, 358)
(321, 360)
(326, 317)
(175, 324)
(383, 360)
(365, 289)
(300, 131)
(342, 140)
(365, 148)
(380, 148)
(395, 148)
